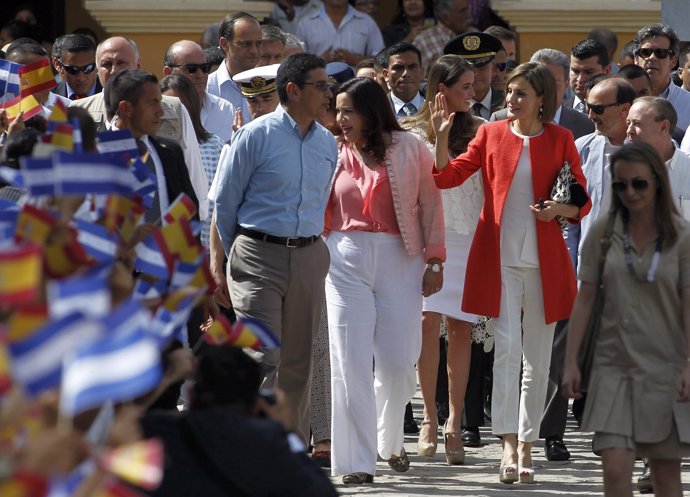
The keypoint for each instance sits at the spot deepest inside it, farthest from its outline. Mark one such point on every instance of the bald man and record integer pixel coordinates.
(117, 54)
(188, 59)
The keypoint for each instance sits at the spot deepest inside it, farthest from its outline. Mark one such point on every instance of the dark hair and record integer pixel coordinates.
(542, 81)
(87, 126)
(126, 85)
(665, 208)
(586, 49)
(592, 82)
(73, 44)
(401, 47)
(501, 33)
(22, 47)
(633, 71)
(380, 60)
(365, 63)
(625, 93)
(88, 32)
(683, 56)
(447, 70)
(185, 91)
(214, 55)
(656, 30)
(18, 29)
(226, 376)
(227, 26)
(19, 144)
(371, 103)
(401, 18)
(295, 69)
(606, 37)
(628, 50)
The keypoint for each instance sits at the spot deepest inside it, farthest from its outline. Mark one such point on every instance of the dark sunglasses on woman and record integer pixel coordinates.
(638, 184)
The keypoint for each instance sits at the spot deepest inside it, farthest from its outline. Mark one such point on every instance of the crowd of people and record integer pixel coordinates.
(376, 211)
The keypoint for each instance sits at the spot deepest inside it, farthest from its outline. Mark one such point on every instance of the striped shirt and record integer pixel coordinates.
(210, 153)
(357, 32)
(431, 42)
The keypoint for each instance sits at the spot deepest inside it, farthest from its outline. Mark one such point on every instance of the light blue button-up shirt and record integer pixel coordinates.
(274, 181)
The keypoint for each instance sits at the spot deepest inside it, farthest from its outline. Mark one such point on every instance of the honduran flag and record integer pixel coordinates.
(145, 289)
(97, 240)
(36, 77)
(9, 78)
(8, 223)
(150, 258)
(88, 295)
(37, 360)
(80, 174)
(119, 144)
(20, 274)
(118, 367)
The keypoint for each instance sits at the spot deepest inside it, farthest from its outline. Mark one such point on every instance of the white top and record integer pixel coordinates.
(217, 115)
(679, 175)
(398, 103)
(221, 84)
(518, 225)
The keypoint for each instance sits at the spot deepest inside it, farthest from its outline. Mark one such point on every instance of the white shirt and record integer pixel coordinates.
(192, 157)
(518, 225)
(221, 84)
(486, 105)
(217, 115)
(50, 103)
(398, 104)
(160, 175)
(679, 176)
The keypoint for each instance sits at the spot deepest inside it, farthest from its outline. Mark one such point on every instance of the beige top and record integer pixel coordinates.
(641, 348)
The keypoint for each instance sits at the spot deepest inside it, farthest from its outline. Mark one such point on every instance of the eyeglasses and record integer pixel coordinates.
(322, 86)
(501, 66)
(638, 184)
(599, 109)
(661, 53)
(248, 43)
(74, 70)
(192, 68)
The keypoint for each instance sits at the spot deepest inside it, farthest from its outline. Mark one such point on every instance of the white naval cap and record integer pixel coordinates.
(258, 80)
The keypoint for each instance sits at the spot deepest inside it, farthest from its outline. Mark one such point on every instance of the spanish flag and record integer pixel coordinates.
(179, 243)
(34, 225)
(25, 320)
(58, 114)
(182, 208)
(139, 463)
(66, 257)
(20, 274)
(60, 137)
(28, 105)
(5, 371)
(219, 332)
(36, 77)
(122, 214)
(24, 484)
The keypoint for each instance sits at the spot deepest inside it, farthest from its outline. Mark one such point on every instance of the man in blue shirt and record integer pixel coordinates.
(271, 191)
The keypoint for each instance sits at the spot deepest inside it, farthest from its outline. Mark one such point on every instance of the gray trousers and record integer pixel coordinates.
(284, 288)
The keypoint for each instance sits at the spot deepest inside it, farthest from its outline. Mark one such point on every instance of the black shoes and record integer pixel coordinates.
(644, 482)
(470, 436)
(555, 449)
(410, 427)
(358, 478)
(400, 464)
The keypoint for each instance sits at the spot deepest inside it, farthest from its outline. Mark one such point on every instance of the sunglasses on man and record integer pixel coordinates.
(193, 68)
(599, 109)
(661, 53)
(74, 70)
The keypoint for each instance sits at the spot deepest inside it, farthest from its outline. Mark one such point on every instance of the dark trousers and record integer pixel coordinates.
(478, 386)
(556, 411)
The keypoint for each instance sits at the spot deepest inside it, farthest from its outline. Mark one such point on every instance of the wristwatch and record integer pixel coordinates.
(435, 268)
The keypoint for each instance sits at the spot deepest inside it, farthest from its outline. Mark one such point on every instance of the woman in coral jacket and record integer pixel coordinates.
(518, 261)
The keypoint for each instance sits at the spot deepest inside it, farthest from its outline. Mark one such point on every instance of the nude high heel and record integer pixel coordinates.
(428, 430)
(453, 457)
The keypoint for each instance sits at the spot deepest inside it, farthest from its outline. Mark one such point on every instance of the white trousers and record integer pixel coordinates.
(374, 301)
(515, 407)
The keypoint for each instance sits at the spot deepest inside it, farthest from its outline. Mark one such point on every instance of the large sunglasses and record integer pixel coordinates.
(661, 53)
(638, 184)
(599, 109)
(74, 70)
(193, 68)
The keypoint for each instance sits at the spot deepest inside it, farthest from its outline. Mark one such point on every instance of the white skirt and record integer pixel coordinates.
(449, 299)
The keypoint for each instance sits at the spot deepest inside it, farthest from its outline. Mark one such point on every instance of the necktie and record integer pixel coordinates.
(153, 213)
(477, 109)
(408, 110)
(580, 107)
(74, 96)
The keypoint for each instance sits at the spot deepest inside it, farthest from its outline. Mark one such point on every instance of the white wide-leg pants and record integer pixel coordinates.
(374, 301)
(518, 408)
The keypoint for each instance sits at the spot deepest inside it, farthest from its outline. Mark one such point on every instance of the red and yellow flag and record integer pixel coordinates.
(59, 113)
(139, 463)
(122, 214)
(24, 484)
(5, 369)
(20, 274)
(25, 320)
(60, 137)
(28, 105)
(178, 242)
(219, 332)
(115, 488)
(34, 225)
(36, 77)
(182, 208)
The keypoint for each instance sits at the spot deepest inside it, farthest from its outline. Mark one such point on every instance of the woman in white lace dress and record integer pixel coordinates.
(452, 77)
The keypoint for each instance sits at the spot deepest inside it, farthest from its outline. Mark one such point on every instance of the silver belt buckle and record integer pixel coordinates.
(288, 243)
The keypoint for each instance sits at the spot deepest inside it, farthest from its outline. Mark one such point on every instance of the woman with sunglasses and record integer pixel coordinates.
(519, 270)
(451, 77)
(385, 220)
(639, 387)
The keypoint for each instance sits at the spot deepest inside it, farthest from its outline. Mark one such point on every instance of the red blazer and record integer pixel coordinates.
(496, 150)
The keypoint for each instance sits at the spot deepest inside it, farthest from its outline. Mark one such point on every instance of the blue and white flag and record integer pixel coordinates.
(118, 368)
(144, 289)
(119, 143)
(145, 183)
(9, 79)
(79, 174)
(183, 272)
(98, 242)
(39, 175)
(128, 317)
(12, 176)
(150, 259)
(37, 360)
(89, 295)
(8, 223)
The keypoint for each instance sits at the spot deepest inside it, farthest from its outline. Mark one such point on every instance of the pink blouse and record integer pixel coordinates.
(361, 199)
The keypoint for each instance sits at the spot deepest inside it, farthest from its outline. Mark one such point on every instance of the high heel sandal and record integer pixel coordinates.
(508, 473)
(526, 474)
(453, 457)
(427, 429)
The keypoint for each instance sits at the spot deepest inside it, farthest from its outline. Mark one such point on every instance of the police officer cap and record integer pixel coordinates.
(339, 72)
(257, 81)
(478, 49)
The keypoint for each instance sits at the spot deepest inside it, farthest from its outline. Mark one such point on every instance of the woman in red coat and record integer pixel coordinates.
(518, 262)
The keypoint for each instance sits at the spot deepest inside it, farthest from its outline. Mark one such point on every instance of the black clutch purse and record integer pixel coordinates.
(566, 190)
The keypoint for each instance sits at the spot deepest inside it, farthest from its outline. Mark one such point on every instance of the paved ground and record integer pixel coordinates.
(581, 476)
